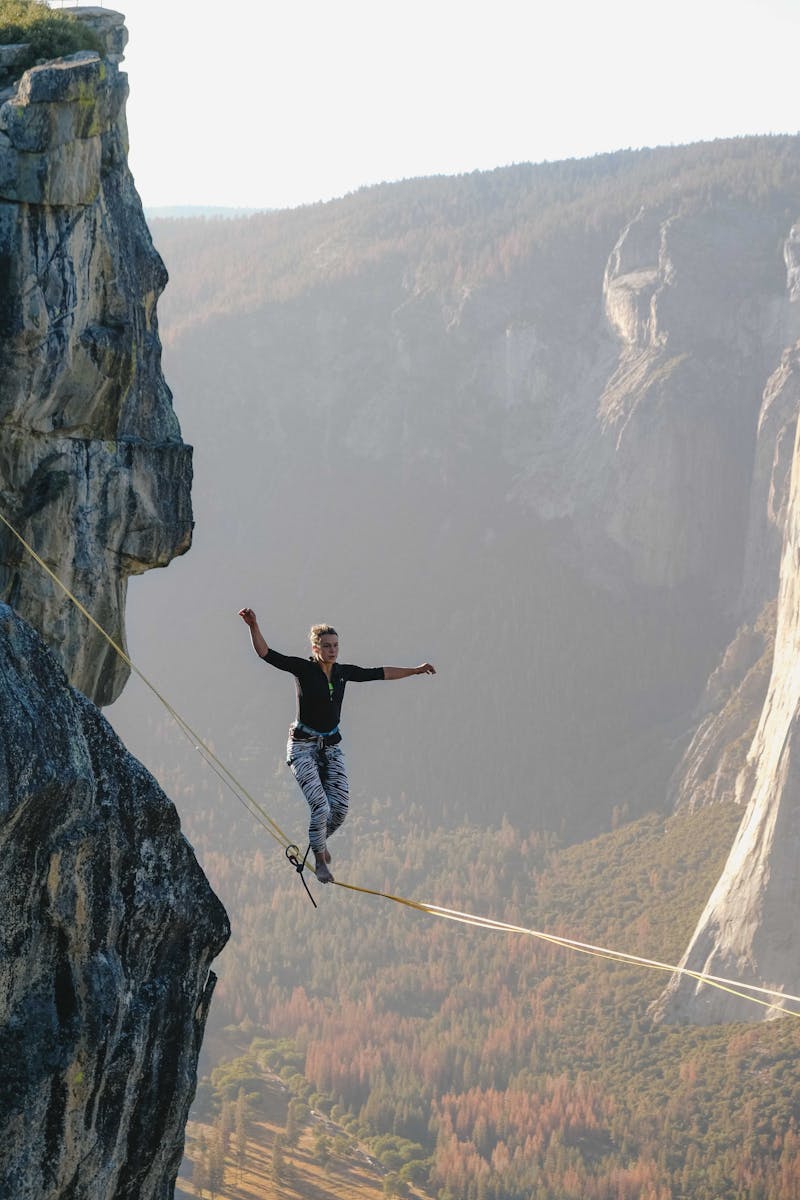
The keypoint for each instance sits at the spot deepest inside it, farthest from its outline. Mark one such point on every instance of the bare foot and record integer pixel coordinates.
(321, 869)
(327, 854)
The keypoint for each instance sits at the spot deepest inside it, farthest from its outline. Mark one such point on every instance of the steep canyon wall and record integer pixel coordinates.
(746, 931)
(93, 470)
(108, 924)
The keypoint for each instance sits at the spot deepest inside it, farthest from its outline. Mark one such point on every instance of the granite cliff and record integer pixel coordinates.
(108, 924)
(702, 493)
(108, 930)
(746, 745)
(93, 471)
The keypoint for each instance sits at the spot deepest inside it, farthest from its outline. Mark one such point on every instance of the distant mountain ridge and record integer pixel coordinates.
(167, 211)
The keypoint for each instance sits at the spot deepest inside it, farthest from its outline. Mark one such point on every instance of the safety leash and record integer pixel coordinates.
(293, 855)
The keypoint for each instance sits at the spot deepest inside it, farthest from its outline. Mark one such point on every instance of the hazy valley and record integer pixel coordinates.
(536, 426)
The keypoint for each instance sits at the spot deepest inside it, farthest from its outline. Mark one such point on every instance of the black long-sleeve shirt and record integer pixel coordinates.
(319, 703)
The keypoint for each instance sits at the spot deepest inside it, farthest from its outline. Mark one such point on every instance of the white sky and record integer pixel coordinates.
(275, 103)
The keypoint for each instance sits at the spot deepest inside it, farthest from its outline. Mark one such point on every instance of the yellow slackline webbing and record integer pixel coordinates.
(731, 986)
(226, 777)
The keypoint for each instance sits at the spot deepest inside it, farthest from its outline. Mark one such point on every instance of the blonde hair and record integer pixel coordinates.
(318, 632)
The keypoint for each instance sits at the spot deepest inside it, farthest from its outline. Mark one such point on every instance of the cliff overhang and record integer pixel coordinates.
(93, 469)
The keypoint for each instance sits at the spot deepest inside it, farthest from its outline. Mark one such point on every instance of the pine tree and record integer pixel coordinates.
(200, 1177)
(225, 1125)
(294, 1120)
(278, 1159)
(241, 1132)
(216, 1166)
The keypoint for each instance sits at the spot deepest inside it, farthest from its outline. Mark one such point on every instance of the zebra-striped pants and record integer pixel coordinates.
(322, 775)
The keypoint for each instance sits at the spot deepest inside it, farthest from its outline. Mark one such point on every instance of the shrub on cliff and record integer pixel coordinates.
(48, 33)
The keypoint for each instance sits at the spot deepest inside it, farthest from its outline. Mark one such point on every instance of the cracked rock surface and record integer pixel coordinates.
(93, 471)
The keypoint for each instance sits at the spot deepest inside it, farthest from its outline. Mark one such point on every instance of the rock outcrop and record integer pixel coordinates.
(694, 317)
(728, 714)
(108, 925)
(744, 744)
(93, 471)
(108, 930)
(730, 709)
(748, 930)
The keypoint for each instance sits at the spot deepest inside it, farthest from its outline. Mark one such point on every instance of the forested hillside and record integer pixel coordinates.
(466, 231)
(501, 1067)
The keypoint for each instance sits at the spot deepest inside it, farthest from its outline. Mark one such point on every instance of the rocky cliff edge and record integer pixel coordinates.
(93, 471)
(108, 930)
(108, 925)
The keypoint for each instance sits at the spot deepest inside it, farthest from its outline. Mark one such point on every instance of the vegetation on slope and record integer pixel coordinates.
(259, 1137)
(49, 33)
(523, 221)
(507, 1068)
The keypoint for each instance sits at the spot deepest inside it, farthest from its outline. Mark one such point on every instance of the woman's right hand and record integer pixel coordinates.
(248, 616)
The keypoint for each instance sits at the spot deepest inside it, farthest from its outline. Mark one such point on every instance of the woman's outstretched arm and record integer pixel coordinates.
(259, 644)
(404, 672)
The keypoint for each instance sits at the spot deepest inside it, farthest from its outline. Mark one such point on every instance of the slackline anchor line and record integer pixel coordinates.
(293, 855)
(226, 777)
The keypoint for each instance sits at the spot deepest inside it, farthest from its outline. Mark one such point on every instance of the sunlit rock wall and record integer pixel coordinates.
(745, 743)
(107, 923)
(93, 472)
(749, 930)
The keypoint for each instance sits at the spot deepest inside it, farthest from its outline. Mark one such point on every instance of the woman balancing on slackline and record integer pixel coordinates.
(313, 750)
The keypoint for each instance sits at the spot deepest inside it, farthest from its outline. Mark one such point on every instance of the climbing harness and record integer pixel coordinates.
(769, 998)
(315, 733)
